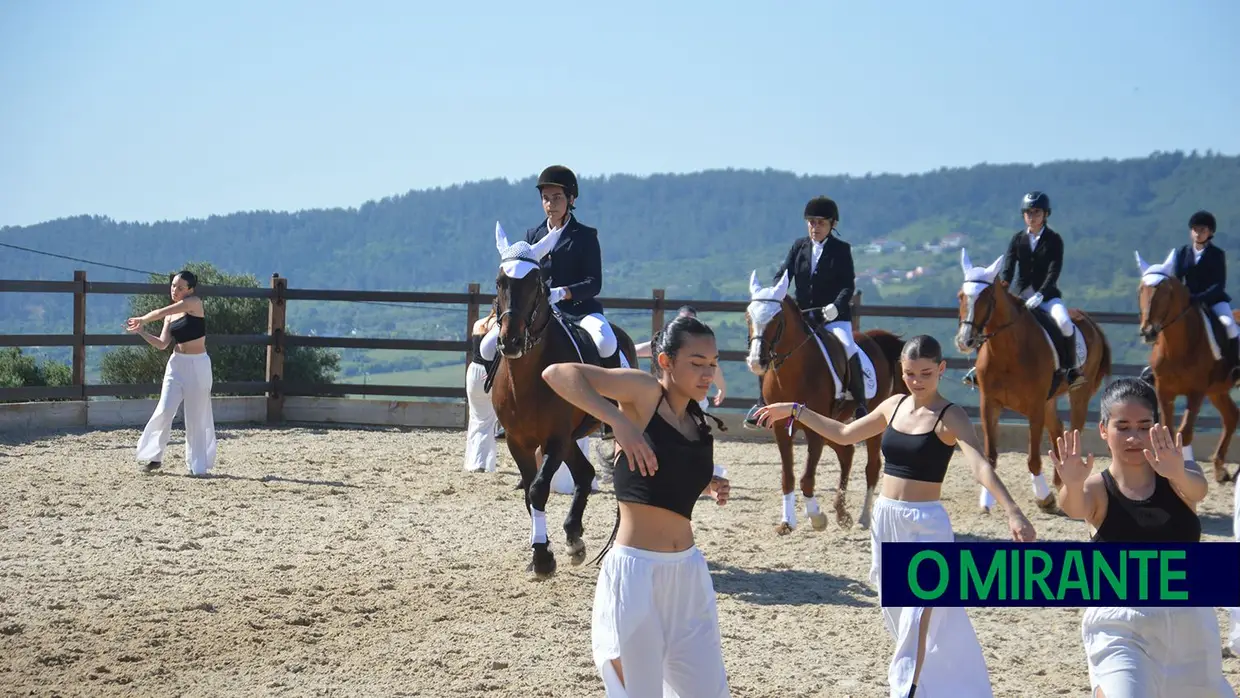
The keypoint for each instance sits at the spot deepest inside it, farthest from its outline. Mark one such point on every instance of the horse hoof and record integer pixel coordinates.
(843, 519)
(784, 528)
(576, 551)
(864, 522)
(984, 511)
(543, 565)
(818, 521)
(1220, 474)
(1048, 505)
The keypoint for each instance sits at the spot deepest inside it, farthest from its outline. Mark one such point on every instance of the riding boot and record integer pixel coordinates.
(1073, 376)
(856, 385)
(970, 378)
(1233, 359)
(750, 419)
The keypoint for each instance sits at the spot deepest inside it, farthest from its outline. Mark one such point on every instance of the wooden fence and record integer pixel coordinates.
(277, 340)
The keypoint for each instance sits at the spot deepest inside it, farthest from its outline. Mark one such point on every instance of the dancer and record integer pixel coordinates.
(187, 378)
(936, 649)
(644, 352)
(655, 628)
(480, 446)
(1148, 494)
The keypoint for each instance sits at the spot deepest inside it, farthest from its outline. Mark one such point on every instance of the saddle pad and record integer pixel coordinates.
(1211, 329)
(1077, 337)
(867, 370)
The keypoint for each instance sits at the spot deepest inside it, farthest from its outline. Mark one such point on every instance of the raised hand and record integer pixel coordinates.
(632, 441)
(720, 488)
(1072, 469)
(768, 415)
(1165, 456)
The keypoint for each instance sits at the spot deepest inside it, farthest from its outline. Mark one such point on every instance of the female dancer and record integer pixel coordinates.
(187, 378)
(1148, 494)
(655, 629)
(480, 447)
(935, 648)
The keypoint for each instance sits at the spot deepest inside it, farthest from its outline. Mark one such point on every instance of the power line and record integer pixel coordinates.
(78, 259)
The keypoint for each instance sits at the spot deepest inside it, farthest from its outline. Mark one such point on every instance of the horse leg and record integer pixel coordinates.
(1227, 409)
(527, 466)
(1166, 404)
(814, 442)
(845, 456)
(990, 411)
(789, 519)
(582, 470)
(1192, 405)
(543, 563)
(1042, 494)
(873, 464)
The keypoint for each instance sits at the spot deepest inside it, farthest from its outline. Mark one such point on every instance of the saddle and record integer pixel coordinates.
(1059, 341)
(1217, 333)
(835, 353)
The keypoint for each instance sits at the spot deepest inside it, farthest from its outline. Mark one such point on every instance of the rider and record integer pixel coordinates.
(821, 264)
(1037, 254)
(574, 267)
(1202, 267)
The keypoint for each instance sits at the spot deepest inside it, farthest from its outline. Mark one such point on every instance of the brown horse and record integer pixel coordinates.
(1016, 367)
(541, 427)
(792, 368)
(1178, 360)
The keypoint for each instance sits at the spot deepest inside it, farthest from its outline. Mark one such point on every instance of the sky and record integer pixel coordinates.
(161, 110)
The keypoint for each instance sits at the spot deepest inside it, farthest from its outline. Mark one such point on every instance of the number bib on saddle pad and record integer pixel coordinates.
(867, 370)
(1051, 330)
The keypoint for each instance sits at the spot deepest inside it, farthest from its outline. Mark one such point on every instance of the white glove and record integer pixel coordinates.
(1034, 301)
(830, 312)
(557, 294)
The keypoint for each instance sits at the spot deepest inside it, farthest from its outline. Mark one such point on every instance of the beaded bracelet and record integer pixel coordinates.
(796, 415)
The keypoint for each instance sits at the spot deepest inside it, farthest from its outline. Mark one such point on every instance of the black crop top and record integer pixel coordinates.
(477, 340)
(685, 469)
(188, 328)
(1162, 518)
(922, 456)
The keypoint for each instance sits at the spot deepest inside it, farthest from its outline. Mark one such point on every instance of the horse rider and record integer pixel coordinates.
(821, 265)
(1034, 259)
(1202, 267)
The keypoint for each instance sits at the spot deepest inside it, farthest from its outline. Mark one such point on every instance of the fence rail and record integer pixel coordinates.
(276, 339)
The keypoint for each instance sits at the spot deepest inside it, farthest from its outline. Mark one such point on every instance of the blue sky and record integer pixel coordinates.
(150, 110)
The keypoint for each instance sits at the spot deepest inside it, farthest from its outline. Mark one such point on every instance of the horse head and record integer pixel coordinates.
(521, 298)
(979, 297)
(1158, 296)
(765, 305)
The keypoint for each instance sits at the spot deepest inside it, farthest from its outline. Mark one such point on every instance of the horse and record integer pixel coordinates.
(1017, 365)
(541, 427)
(1177, 360)
(792, 368)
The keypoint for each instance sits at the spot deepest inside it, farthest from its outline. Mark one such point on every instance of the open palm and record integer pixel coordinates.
(1071, 467)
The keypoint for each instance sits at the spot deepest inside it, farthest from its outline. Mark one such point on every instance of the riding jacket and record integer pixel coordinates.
(1205, 277)
(1035, 269)
(576, 263)
(831, 281)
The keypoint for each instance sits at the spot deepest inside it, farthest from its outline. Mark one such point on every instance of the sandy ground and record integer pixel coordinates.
(367, 562)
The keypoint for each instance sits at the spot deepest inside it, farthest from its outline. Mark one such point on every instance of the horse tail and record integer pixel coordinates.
(1105, 367)
(892, 345)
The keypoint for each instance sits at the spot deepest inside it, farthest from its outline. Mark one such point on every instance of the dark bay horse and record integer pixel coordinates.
(792, 369)
(1179, 360)
(1016, 366)
(541, 427)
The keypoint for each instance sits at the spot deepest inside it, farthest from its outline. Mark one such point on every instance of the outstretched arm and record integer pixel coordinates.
(180, 306)
(162, 342)
(835, 431)
(965, 433)
(588, 387)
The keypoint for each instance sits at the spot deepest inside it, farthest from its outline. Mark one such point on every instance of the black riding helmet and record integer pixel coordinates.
(559, 176)
(1203, 218)
(1036, 199)
(822, 207)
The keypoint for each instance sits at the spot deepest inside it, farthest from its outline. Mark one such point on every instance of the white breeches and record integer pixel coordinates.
(1154, 652)
(1233, 636)
(656, 613)
(602, 334)
(1059, 313)
(953, 665)
(1223, 310)
(480, 445)
(187, 379)
(843, 331)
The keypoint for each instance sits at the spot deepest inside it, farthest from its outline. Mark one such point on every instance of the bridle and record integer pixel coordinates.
(1158, 328)
(990, 311)
(766, 350)
(529, 337)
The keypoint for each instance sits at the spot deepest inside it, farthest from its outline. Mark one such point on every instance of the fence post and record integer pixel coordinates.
(275, 351)
(656, 315)
(79, 333)
(855, 304)
(471, 317)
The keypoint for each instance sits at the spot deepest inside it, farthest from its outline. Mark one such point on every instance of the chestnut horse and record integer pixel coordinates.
(541, 427)
(792, 368)
(1180, 364)
(1016, 367)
